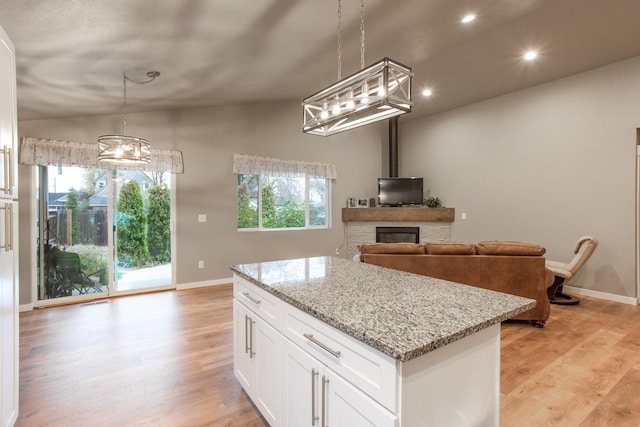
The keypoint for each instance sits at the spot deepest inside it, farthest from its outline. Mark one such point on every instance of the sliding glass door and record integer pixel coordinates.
(102, 232)
(142, 238)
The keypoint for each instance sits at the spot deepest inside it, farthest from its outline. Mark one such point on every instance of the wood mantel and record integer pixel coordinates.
(399, 214)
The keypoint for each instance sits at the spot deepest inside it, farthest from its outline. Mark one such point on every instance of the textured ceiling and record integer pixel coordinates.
(71, 53)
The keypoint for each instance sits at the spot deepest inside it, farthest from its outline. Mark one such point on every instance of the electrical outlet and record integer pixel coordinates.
(201, 264)
(337, 251)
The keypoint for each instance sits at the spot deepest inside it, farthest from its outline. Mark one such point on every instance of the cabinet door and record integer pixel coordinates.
(8, 122)
(8, 313)
(257, 361)
(300, 391)
(268, 383)
(244, 364)
(346, 406)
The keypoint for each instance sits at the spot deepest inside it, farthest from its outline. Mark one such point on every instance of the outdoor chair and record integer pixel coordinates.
(69, 277)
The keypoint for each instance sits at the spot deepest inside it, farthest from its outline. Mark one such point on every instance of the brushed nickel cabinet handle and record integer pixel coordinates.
(7, 227)
(251, 352)
(252, 299)
(11, 174)
(325, 381)
(314, 417)
(334, 353)
(246, 334)
(6, 186)
(10, 226)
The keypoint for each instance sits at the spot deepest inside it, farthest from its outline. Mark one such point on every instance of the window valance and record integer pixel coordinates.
(51, 152)
(254, 165)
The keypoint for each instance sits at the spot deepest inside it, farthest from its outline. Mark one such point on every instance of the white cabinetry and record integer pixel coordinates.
(257, 356)
(8, 120)
(314, 395)
(291, 381)
(8, 236)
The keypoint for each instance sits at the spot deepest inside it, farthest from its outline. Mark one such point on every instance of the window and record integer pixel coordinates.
(276, 194)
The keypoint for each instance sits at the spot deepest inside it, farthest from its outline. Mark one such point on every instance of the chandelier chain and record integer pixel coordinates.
(152, 76)
(361, 34)
(339, 40)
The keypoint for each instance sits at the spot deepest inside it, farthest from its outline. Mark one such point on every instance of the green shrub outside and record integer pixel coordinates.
(132, 226)
(159, 231)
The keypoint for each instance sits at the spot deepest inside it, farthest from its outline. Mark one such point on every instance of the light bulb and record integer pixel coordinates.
(336, 107)
(119, 152)
(530, 55)
(427, 92)
(350, 104)
(325, 113)
(381, 91)
(364, 96)
(468, 18)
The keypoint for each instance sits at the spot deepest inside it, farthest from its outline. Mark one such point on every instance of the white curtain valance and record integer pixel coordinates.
(51, 152)
(254, 165)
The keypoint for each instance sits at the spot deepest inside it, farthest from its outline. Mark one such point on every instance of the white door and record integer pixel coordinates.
(244, 366)
(346, 406)
(8, 126)
(301, 388)
(8, 313)
(268, 351)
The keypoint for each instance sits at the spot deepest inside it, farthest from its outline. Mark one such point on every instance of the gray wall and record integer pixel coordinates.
(546, 165)
(208, 138)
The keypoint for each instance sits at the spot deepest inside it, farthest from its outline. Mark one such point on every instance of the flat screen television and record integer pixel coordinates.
(400, 191)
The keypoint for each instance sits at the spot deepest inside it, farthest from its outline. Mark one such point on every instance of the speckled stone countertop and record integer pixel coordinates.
(401, 314)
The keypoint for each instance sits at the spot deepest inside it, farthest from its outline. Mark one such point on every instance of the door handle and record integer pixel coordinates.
(325, 381)
(334, 353)
(6, 169)
(8, 227)
(252, 299)
(314, 417)
(246, 334)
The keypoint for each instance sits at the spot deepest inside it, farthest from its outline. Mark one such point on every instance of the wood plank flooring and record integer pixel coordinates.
(165, 359)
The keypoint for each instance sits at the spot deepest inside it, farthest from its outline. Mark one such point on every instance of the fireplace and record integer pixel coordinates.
(398, 234)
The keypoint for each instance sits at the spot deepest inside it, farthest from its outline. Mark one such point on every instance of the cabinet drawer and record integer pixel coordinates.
(261, 302)
(368, 369)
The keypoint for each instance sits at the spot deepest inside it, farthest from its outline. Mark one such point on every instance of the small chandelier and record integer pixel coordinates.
(123, 149)
(378, 92)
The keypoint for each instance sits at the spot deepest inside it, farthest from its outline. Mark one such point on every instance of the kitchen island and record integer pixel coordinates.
(325, 341)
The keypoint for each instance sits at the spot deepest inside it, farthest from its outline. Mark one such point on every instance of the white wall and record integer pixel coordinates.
(208, 138)
(545, 165)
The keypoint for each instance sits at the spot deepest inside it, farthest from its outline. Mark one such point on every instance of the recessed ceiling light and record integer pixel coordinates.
(427, 92)
(468, 18)
(530, 55)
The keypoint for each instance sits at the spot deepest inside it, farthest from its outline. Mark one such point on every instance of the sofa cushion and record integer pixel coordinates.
(450, 248)
(391, 248)
(496, 247)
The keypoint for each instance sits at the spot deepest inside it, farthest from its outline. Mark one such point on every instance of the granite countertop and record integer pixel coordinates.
(402, 314)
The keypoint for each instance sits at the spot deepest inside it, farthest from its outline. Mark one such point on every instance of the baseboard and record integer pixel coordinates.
(25, 307)
(600, 295)
(204, 284)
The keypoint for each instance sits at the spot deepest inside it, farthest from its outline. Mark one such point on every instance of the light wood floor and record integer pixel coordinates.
(165, 359)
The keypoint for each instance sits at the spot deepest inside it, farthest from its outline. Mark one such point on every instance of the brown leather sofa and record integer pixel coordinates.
(516, 268)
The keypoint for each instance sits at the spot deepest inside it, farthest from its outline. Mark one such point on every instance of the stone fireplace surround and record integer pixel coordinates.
(361, 223)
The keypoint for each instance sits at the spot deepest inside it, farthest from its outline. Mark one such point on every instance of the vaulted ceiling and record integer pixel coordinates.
(71, 53)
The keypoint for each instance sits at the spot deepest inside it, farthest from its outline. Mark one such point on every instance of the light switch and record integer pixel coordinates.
(202, 218)
(463, 216)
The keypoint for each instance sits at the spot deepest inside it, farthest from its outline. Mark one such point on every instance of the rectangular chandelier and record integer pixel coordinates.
(378, 92)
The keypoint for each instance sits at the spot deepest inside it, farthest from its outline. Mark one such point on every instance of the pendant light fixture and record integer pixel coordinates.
(123, 149)
(377, 92)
